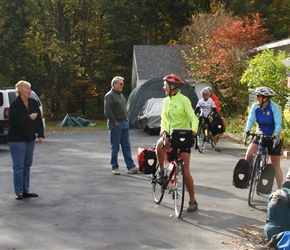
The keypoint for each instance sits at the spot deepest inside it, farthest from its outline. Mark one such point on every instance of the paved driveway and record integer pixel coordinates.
(83, 206)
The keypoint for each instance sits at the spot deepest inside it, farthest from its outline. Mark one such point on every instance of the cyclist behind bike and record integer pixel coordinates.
(215, 99)
(177, 112)
(206, 108)
(268, 117)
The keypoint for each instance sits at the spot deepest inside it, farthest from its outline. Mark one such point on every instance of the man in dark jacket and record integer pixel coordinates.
(116, 112)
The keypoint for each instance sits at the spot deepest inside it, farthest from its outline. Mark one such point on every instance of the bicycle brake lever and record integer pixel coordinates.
(274, 143)
(245, 140)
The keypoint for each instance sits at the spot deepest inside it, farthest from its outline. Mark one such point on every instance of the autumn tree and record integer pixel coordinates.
(216, 48)
(276, 13)
(267, 69)
(12, 32)
(70, 50)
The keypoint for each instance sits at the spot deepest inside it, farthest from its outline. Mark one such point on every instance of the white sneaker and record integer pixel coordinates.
(133, 171)
(116, 172)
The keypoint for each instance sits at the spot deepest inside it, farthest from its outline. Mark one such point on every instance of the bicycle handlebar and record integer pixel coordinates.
(260, 135)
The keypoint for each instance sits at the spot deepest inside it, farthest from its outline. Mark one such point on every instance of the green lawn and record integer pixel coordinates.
(51, 126)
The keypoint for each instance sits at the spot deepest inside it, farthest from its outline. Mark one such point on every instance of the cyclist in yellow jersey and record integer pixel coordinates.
(177, 112)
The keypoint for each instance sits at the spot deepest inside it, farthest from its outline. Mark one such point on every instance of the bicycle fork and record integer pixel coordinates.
(252, 168)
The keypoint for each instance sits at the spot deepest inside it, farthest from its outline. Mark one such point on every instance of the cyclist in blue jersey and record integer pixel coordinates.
(268, 117)
(177, 112)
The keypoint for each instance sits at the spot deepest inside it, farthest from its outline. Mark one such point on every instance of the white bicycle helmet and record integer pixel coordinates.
(204, 91)
(208, 88)
(265, 91)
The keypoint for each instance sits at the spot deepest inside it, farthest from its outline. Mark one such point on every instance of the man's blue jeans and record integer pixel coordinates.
(22, 158)
(119, 135)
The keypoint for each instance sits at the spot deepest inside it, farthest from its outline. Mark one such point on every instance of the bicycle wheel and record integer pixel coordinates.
(201, 139)
(178, 190)
(254, 179)
(157, 189)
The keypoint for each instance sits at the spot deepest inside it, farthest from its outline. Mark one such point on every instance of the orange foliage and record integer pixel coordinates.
(224, 55)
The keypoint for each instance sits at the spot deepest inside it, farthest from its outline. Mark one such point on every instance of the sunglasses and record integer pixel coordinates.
(258, 96)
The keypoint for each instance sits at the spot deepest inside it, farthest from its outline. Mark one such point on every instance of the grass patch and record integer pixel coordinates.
(236, 125)
(51, 126)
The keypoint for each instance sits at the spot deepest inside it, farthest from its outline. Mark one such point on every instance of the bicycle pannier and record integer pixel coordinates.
(221, 125)
(241, 174)
(181, 138)
(266, 180)
(147, 160)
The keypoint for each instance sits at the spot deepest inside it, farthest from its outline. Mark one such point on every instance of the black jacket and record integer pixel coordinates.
(115, 106)
(22, 128)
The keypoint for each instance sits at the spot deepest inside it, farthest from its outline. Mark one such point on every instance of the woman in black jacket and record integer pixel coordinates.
(25, 122)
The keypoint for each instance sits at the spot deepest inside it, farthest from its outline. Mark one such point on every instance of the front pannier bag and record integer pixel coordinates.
(266, 180)
(181, 138)
(147, 160)
(241, 174)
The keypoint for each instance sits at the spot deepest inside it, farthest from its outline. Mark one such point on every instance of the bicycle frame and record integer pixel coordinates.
(203, 134)
(173, 172)
(260, 159)
(178, 188)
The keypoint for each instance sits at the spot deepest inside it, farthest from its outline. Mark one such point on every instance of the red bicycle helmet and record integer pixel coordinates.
(174, 80)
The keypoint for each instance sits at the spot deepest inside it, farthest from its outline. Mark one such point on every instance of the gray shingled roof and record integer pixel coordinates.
(158, 60)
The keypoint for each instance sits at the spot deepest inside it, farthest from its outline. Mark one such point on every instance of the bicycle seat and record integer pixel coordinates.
(172, 155)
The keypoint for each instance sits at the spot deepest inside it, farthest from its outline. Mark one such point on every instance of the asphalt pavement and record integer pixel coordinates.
(81, 205)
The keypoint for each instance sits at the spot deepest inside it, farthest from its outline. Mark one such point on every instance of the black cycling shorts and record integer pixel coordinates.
(182, 150)
(213, 126)
(267, 143)
(172, 155)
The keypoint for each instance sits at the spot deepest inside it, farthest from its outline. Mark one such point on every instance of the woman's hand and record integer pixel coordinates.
(33, 116)
(41, 140)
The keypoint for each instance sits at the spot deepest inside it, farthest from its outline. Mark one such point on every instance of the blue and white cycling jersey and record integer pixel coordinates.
(269, 119)
(206, 106)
